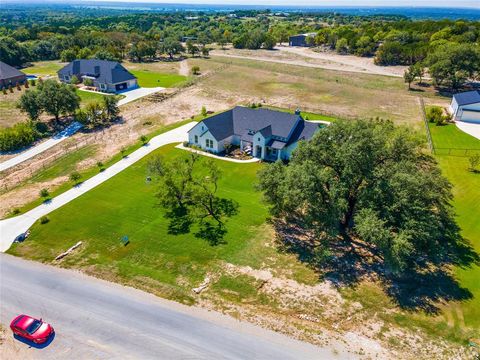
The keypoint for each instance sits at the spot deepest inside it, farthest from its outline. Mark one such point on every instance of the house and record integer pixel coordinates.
(268, 134)
(10, 76)
(466, 106)
(107, 76)
(302, 39)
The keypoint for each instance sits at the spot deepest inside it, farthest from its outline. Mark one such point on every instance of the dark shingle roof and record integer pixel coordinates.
(8, 72)
(303, 131)
(244, 122)
(109, 72)
(466, 98)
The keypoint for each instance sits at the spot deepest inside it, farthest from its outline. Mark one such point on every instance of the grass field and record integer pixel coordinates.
(148, 78)
(125, 205)
(44, 68)
(466, 189)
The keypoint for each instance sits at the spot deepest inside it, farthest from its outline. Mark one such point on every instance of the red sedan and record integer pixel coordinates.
(31, 329)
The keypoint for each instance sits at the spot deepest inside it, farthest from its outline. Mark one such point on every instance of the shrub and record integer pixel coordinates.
(196, 70)
(18, 136)
(204, 111)
(88, 82)
(33, 82)
(26, 85)
(44, 193)
(75, 177)
(144, 139)
(74, 80)
(15, 211)
(4, 91)
(123, 151)
(435, 115)
(474, 161)
(101, 166)
(44, 220)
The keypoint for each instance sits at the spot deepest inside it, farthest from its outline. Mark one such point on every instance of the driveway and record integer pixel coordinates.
(131, 95)
(469, 128)
(28, 154)
(95, 319)
(11, 228)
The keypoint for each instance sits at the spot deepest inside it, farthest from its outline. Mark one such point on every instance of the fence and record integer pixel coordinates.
(427, 128)
(457, 152)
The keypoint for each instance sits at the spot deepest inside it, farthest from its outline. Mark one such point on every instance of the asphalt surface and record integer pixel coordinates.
(95, 319)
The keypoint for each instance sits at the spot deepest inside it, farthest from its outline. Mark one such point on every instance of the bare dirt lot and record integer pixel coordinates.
(317, 59)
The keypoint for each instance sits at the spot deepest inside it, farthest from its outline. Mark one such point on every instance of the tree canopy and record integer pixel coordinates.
(367, 182)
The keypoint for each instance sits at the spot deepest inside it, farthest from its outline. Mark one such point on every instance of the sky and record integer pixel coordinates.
(353, 3)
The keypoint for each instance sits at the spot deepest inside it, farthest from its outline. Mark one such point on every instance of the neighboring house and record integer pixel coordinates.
(107, 76)
(269, 135)
(302, 39)
(10, 76)
(466, 106)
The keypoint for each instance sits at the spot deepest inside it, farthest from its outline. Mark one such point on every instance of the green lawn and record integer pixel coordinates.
(467, 207)
(88, 97)
(125, 205)
(44, 68)
(148, 78)
(449, 140)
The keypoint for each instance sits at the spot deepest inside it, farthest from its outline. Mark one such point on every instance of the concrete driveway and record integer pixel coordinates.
(28, 154)
(131, 95)
(11, 228)
(469, 128)
(95, 319)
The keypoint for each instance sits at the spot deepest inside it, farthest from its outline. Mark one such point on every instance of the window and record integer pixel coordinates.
(196, 139)
(209, 143)
(67, 78)
(203, 128)
(33, 326)
(258, 139)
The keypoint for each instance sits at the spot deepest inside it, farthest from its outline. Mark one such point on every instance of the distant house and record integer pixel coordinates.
(466, 106)
(268, 134)
(107, 76)
(10, 76)
(189, 38)
(302, 39)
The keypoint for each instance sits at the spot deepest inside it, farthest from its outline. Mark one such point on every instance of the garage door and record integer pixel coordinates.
(470, 116)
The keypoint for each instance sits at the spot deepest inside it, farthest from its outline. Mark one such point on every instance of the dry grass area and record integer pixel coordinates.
(342, 94)
(9, 114)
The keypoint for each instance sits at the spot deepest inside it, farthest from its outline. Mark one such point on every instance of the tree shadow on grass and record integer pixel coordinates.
(347, 262)
(180, 221)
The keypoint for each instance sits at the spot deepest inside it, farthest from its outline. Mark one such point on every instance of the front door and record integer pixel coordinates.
(258, 152)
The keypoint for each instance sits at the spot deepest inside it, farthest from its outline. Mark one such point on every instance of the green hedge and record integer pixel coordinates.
(17, 136)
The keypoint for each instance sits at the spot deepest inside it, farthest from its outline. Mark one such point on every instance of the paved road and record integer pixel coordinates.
(11, 228)
(28, 154)
(95, 319)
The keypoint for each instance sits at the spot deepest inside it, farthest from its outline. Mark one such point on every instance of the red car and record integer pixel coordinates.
(31, 329)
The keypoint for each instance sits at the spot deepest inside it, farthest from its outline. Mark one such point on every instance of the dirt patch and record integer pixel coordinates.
(184, 68)
(309, 58)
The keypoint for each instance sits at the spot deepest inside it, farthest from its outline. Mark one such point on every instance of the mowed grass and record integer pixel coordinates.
(126, 206)
(148, 79)
(44, 68)
(466, 190)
